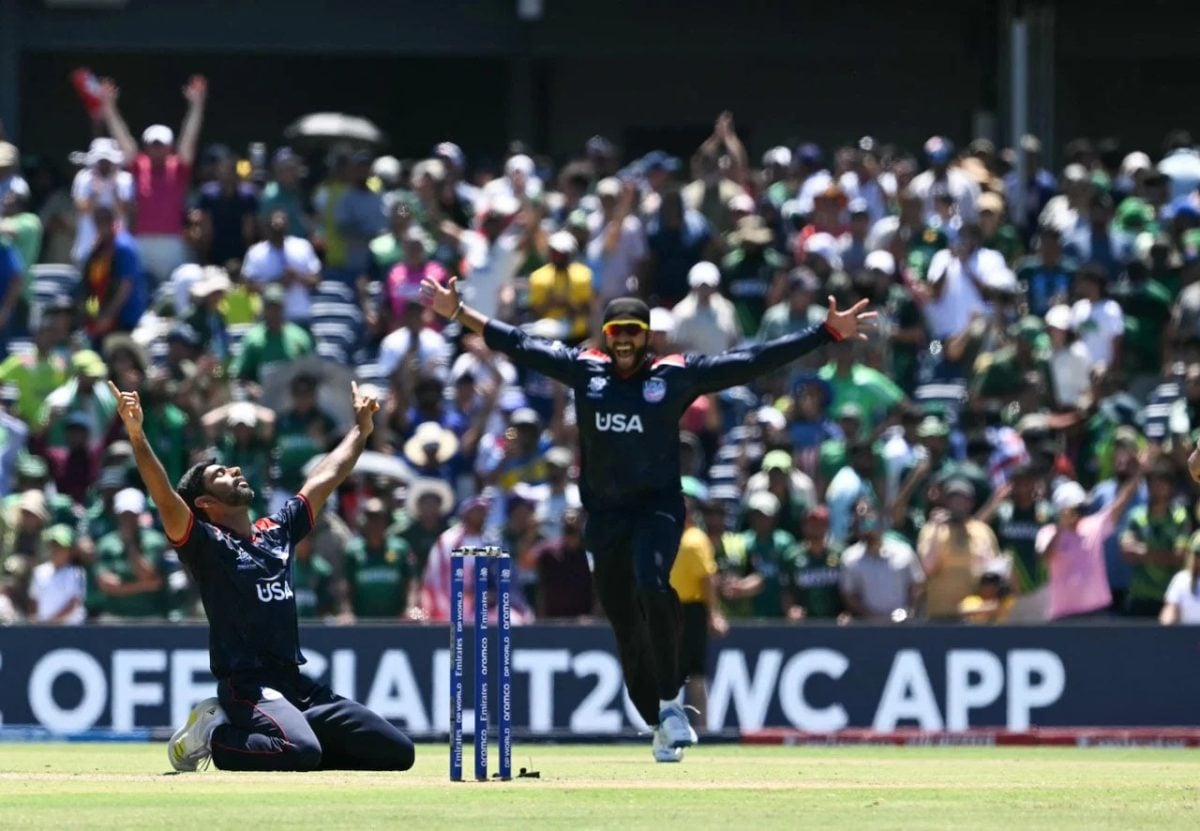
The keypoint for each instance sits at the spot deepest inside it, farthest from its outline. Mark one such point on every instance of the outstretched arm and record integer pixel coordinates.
(196, 93)
(741, 366)
(176, 515)
(552, 359)
(109, 92)
(334, 468)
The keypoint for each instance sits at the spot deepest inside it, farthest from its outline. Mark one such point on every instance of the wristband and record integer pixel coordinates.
(457, 311)
(833, 333)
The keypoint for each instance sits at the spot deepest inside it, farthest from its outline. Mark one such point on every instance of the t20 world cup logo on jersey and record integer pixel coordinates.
(596, 386)
(654, 390)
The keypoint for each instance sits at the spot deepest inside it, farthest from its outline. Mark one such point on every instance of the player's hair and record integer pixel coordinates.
(191, 486)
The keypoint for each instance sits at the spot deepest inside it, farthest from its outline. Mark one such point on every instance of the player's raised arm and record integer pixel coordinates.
(334, 468)
(175, 514)
(740, 366)
(552, 359)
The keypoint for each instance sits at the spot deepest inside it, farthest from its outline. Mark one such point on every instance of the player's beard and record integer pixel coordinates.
(639, 355)
(240, 497)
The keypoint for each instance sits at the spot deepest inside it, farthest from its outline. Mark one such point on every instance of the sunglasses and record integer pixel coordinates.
(631, 329)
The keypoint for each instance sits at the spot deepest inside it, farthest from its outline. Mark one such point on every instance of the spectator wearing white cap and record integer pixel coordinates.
(705, 320)
(1074, 549)
(1181, 163)
(617, 241)
(941, 177)
(161, 173)
(562, 289)
(10, 171)
(130, 566)
(492, 254)
(102, 182)
(1070, 362)
(662, 330)
(520, 181)
(1069, 209)
(1135, 167)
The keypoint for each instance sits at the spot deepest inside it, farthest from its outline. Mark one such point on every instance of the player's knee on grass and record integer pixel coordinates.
(304, 754)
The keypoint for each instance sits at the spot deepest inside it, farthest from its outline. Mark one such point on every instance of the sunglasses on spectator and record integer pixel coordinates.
(626, 328)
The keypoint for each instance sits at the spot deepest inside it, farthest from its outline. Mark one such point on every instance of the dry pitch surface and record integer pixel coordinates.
(68, 786)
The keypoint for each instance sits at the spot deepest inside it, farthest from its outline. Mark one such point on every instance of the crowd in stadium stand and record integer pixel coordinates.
(1010, 444)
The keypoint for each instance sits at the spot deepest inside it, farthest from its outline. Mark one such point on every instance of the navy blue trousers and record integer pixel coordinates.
(632, 551)
(289, 722)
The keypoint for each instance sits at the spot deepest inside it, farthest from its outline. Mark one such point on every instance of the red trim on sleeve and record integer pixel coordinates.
(670, 360)
(594, 355)
(187, 534)
(312, 520)
(833, 333)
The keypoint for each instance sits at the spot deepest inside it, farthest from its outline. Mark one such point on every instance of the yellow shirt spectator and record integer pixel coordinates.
(563, 293)
(954, 558)
(694, 566)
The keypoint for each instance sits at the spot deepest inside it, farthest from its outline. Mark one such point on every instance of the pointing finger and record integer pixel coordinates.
(859, 305)
(832, 304)
(354, 389)
(113, 388)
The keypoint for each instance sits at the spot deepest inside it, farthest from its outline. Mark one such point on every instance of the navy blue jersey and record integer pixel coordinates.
(246, 586)
(629, 427)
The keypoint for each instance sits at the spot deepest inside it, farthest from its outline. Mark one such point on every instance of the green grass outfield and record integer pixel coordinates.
(69, 786)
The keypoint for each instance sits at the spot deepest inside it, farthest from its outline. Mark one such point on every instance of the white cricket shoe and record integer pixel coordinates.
(662, 748)
(673, 721)
(190, 744)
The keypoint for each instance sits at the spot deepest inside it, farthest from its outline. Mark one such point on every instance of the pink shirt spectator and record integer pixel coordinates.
(161, 194)
(1078, 580)
(435, 584)
(404, 284)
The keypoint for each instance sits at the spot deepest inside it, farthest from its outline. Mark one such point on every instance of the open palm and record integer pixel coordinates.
(850, 323)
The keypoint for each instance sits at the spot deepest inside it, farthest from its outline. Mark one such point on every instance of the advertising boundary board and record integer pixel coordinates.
(801, 680)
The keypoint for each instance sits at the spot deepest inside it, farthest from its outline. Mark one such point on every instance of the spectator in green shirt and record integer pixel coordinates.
(379, 566)
(797, 311)
(852, 382)
(35, 376)
(242, 433)
(317, 590)
(301, 432)
(275, 340)
(1155, 542)
(997, 234)
(130, 566)
(1000, 375)
(756, 564)
(815, 575)
(283, 193)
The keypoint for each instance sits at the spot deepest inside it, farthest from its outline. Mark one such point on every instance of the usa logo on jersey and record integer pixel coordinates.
(654, 390)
